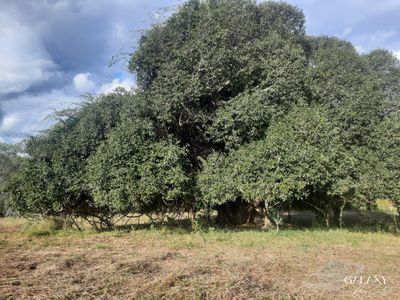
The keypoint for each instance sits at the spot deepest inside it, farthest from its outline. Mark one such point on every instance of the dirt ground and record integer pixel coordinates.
(213, 264)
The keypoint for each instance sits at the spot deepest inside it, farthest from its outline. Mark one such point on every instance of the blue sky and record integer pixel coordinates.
(54, 51)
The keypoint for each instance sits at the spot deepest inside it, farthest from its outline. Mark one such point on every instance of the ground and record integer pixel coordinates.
(163, 263)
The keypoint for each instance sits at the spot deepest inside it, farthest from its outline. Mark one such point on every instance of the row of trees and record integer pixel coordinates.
(237, 110)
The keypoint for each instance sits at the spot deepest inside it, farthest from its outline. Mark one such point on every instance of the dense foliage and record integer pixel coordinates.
(237, 110)
(134, 172)
(10, 161)
(301, 158)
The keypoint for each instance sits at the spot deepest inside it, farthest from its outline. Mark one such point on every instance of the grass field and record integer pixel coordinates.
(37, 262)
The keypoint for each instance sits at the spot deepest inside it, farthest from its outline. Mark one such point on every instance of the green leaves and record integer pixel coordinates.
(340, 80)
(236, 109)
(210, 53)
(10, 162)
(52, 180)
(134, 172)
(278, 68)
(302, 152)
(385, 146)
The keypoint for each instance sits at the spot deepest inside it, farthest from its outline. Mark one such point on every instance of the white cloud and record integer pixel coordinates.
(28, 114)
(376, 38)
(44, 44)
(381, 36)
(9, 121)
(368, 41)
(397, 54)
(23, 60)
(360, 49)
(347, 32)
(83, 84)
(110, 86)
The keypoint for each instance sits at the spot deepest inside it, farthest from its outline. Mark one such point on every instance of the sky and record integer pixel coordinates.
(54, 51)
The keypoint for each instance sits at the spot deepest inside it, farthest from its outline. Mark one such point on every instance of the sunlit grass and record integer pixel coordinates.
(180, 238)
(181, 258)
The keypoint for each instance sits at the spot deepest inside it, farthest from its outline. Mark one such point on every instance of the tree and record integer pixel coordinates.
(385, 146)
(10, 161)
(200, 58)
(301, 158)
(134, 172)
(234, 103)
(386, 68)
(340, 80)
(52, 181)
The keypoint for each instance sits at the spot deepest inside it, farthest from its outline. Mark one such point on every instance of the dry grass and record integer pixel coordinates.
(176, 264)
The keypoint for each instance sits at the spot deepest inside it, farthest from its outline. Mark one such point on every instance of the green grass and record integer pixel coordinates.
(182, 238)
(179, 263)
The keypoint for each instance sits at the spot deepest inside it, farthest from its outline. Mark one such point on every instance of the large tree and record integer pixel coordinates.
(232, 100)
(209, 52)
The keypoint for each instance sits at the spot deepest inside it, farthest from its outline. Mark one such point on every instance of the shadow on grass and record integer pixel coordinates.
(184, 225)
(300, 220)
(354, 220)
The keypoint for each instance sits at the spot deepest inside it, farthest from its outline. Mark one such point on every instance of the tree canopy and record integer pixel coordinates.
(236, 109)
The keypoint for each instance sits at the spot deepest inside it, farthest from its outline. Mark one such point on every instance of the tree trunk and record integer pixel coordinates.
(327, 223)
(290, 212)
(267, 219)
(252, 215)
(332, 216)
(341, 224)
(328, 216)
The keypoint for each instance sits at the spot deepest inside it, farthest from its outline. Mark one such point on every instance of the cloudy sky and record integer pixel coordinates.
(54, 51)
